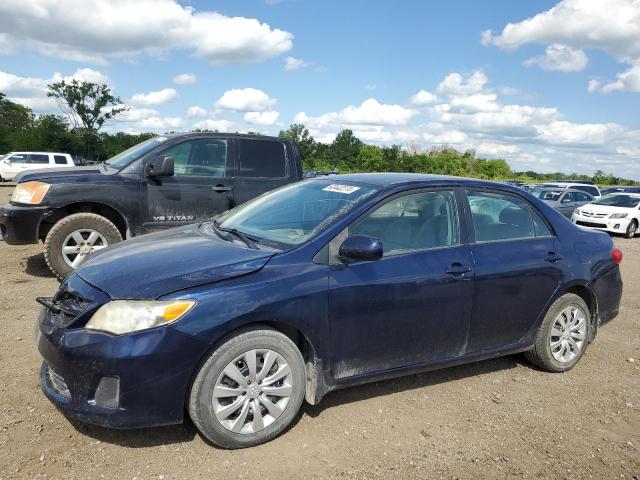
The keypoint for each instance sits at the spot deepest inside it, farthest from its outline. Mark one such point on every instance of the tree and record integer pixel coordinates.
(306, 143)
(15, 119)
(88, 106)
(345, 148)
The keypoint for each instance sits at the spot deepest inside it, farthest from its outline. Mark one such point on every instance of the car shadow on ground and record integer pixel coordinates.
(36, 265)
(156, 436)
(411, 382)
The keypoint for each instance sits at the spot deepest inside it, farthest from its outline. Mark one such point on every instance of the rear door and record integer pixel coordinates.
(517, 268)
(36, 161)
(263, 165)
(201, 187)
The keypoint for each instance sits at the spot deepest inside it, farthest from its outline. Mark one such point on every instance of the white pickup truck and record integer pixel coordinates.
(16, 162)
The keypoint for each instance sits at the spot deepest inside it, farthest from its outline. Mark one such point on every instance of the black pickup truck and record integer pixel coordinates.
(163, 182)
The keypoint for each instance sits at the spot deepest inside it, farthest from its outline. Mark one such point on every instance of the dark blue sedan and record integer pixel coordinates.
(319, 285)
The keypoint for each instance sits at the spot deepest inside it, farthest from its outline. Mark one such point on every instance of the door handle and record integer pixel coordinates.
(553, 257)
(458, 269)
(221, 188)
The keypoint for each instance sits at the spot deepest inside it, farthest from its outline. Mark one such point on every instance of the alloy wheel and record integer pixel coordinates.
(81, 243)
(568, 334)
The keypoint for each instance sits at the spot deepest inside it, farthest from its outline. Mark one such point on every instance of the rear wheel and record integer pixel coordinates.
(249, 390)
(631, 229)
(563, 335)
(73, 238)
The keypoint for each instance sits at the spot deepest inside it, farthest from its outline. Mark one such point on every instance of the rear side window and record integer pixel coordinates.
(38, 158)
(60, 159)
(261, 158)
(504, 217)
(587, 188)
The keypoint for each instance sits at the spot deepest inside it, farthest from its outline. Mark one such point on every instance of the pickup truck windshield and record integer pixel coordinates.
(292, 214)
(137, 151)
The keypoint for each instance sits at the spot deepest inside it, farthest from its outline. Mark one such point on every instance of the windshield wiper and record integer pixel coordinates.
(248, 241)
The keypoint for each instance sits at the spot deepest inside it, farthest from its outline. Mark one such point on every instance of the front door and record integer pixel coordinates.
(412, 306)
(517, 269)
(201, 187)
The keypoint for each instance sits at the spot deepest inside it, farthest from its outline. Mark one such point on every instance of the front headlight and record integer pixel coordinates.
(126, 316)
(31, 193)
(618, 215)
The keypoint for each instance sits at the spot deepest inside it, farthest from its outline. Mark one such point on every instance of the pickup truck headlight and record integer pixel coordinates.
(31, 193)
(618, 215)
(127, 316)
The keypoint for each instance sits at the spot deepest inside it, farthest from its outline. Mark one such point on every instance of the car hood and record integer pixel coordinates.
(590, 207)
(45, 174)
(160, 263)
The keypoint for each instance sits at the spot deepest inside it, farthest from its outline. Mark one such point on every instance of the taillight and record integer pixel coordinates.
(616, 255)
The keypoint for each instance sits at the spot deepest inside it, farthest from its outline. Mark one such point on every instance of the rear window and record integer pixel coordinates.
(261, 158)
(60, 159)
(38, 158)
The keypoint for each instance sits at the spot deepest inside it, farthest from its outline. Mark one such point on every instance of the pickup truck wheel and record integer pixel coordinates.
(74, 237)
(563, 335)
(249, 390)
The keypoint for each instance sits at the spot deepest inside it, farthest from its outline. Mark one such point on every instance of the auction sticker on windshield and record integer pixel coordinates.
(335, 187)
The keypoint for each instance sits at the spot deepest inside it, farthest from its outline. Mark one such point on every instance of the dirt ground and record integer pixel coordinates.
(494, 419)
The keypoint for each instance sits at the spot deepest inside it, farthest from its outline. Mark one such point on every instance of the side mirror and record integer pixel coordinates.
(159, 167)
(361, 247)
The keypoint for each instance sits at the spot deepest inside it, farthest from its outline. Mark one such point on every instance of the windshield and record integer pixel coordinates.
(137, 151)
(553, 195)
(292, 214)
(615, 200)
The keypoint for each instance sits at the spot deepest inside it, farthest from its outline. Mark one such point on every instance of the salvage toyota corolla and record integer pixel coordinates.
(318, 285)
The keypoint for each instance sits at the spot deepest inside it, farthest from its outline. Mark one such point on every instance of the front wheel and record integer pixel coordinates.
(563, 335)
(73, 238)
(249, 390)
(631, 229)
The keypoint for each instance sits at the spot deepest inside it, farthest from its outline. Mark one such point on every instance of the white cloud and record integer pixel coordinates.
(74, 30)
(196, 111)
(291, 63)
(155, 98)
(161, 123)
(478, 102)
(560, 58)
(612, 26)
(184, 79)
(451, 137)
(214, 124)
(89, 75)
(495, 149)
(456, 84)
(245, 100)
(262, 118)
(422, 98)
(372, 112)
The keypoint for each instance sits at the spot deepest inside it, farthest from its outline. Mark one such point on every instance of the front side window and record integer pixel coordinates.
(18, 158)
(582, 197)
(38, 158)
(202, 157)
(413, 222)
(262, 158)
(497, 216)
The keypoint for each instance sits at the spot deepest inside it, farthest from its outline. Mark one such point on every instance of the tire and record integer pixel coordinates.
(631, 229)
(108, 234)
(545, 350)
(203, 405)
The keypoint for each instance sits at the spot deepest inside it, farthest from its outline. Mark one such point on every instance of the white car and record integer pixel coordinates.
(591, 189)
(616, 213)
(16, 162)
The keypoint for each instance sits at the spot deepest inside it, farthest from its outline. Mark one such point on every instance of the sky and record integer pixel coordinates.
(547, 85)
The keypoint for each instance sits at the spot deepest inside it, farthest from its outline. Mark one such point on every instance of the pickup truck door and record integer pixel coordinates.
(263, 164)
(201, 187)
(14, 164)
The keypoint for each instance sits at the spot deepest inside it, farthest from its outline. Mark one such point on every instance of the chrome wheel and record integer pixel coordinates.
(81, 243)
(568, 334)
(252, 391)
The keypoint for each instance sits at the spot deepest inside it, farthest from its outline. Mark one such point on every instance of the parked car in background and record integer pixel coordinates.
(630, 189)
(565, 200)
(160, 183)
(615, 213)
(591, 189)
(322, 284)
(17, 162)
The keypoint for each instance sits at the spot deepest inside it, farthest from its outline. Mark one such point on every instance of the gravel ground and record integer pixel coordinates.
(493, 419)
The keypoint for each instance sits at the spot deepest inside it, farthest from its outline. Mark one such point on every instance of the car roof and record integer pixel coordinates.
(225, 135)
(391, 179)
(39, 153)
